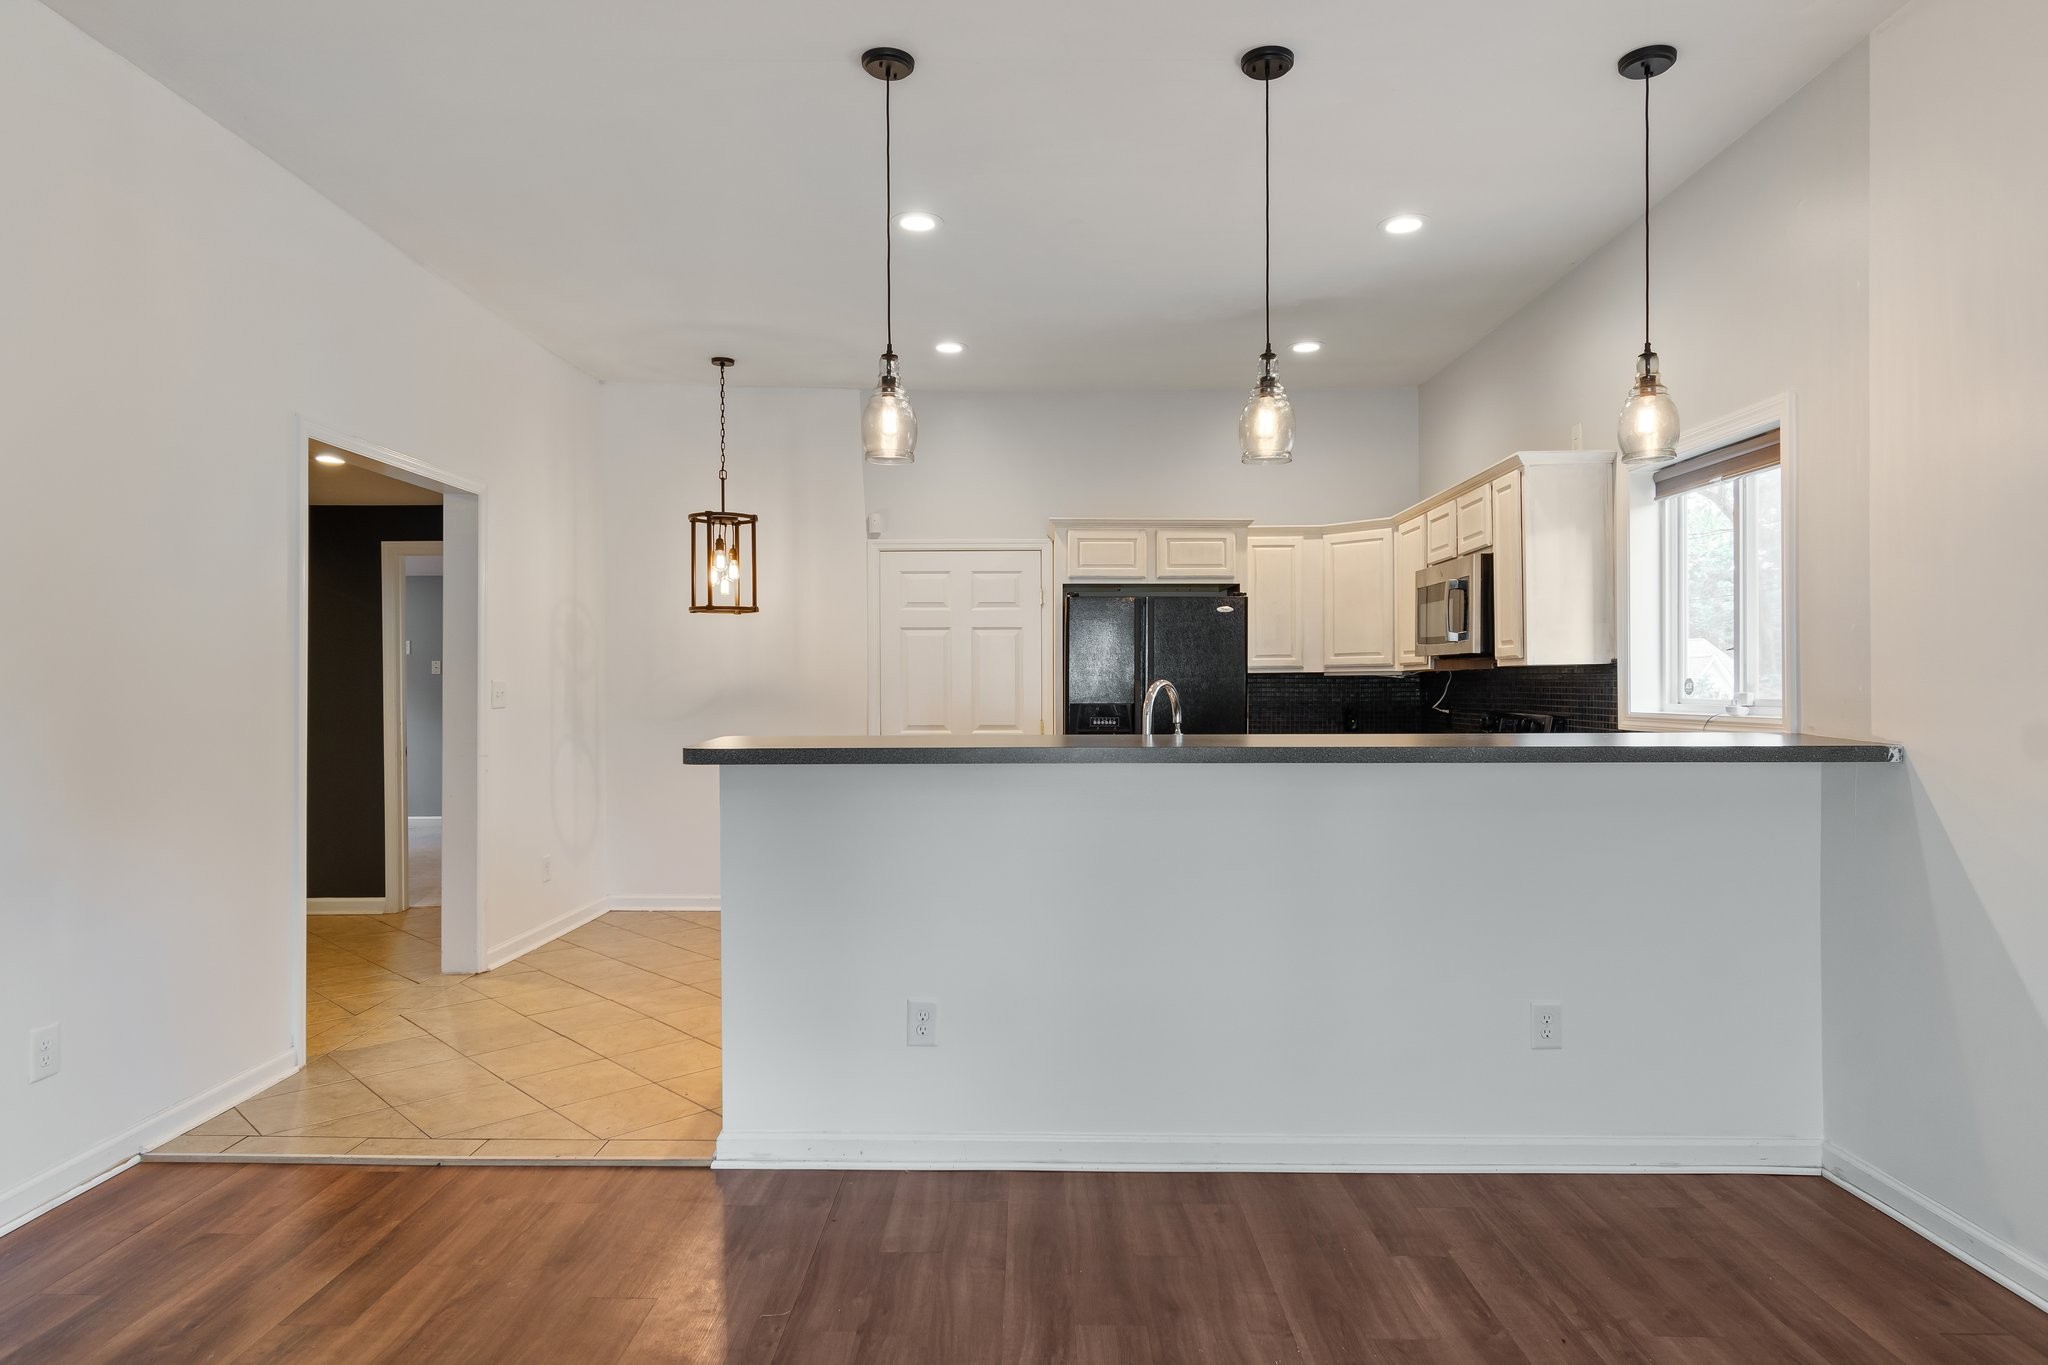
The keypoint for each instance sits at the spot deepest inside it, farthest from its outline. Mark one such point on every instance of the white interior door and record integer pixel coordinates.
(960, 642)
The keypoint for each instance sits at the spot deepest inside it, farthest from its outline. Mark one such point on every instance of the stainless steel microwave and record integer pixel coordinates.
(1454, 607)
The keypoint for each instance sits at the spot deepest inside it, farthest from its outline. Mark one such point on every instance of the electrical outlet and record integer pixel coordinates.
(45, 1052)
(1578, 436)
(547, 867)
(1546, 1025)
(923, 1023)
(497, 695)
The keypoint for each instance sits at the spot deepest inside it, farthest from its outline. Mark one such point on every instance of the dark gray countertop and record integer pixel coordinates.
(1632, 747)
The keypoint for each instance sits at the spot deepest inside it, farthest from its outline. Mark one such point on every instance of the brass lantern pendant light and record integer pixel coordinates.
(1265, 432)
(888, 428)
(722, 542)
(1648, 430)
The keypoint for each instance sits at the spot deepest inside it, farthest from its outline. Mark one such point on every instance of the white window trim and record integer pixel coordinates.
(1640, 579)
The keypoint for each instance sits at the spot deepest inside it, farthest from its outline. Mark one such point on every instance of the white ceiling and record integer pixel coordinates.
(639, 185)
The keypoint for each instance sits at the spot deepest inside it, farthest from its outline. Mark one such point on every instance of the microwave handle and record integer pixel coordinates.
(1459, 589)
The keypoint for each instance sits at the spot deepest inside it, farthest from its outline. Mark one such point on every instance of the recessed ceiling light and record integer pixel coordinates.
(1307, 347)
(949, 348)
(328, 457)
(1401, 224)
(917, 221)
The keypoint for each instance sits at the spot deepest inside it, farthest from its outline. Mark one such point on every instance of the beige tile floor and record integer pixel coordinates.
(603, 1044)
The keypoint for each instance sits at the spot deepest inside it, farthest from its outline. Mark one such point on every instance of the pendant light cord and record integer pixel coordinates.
(1647, 74)
(888, 217)
(1268, 356)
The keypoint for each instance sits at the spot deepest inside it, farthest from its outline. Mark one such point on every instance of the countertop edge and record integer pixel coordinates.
(1650, 748)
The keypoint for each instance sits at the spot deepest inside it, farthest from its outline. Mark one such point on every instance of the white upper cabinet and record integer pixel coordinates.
(1358, 600)
(1565, 556)
(1119, 553)
(1507, 567)
(1276, 586)
(1475, 519)
(1410, 558)
(1140, 551)
(1197, 553)
(1442, 531)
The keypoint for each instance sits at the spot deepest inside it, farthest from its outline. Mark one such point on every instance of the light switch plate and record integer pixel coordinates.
(497, 695)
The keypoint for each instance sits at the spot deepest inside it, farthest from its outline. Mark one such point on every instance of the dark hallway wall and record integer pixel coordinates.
(345, 693)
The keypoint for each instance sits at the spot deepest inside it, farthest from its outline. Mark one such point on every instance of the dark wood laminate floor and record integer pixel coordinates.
(334, 1263)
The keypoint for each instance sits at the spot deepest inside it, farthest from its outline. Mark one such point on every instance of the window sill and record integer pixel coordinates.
(1680, 720)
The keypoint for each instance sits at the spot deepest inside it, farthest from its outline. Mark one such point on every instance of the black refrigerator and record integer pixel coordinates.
(1119, 640)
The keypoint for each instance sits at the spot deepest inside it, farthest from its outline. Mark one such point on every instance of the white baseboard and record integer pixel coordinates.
(2019, 1271)
(543, 933)
(40, 1193)
(1259, 1152)
(662, 903)
(348, 905)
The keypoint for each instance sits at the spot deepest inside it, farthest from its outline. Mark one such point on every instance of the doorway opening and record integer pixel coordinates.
(389, 575)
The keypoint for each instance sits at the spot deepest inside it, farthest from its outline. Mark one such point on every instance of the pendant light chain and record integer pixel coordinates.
(721, 438)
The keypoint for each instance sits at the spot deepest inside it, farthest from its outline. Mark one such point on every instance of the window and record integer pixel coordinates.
(1722, 622)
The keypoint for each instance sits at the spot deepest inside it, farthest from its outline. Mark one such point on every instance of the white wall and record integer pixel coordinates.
(1308, 991)
(988, 466)
(1761, 270)
(1001, 465)
(176, 303)
(798, 667)
(1937, 1023)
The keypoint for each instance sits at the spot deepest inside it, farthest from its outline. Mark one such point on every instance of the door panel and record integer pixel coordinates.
(1275, 585)
(1410, 556)
(1507, 568)
(925, 654)
(1196, 554)
(1358, 599)
(1443, 532)
(960, 642)
(1475, 520)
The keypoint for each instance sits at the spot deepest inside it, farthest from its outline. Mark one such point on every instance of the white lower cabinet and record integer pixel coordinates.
(1411, 556)
(1276, 589)
(1358, 600)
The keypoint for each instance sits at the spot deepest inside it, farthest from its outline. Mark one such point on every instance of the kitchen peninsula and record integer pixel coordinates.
(1279, 951)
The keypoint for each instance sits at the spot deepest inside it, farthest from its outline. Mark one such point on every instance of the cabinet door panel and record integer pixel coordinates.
(1277, 636)
(1475, 519)
(1508, 614)
(1358, 599)
(1197, 554)
(1117, 555)
(1410, 557)
(1443, 532)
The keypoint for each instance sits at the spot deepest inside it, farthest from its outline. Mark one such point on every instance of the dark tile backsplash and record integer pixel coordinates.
(1583, 698)
(1332, 704)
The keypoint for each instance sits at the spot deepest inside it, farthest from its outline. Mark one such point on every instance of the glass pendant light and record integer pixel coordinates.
(722, 542)
(888, 427)
(1649, 419)
(1265, 432)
